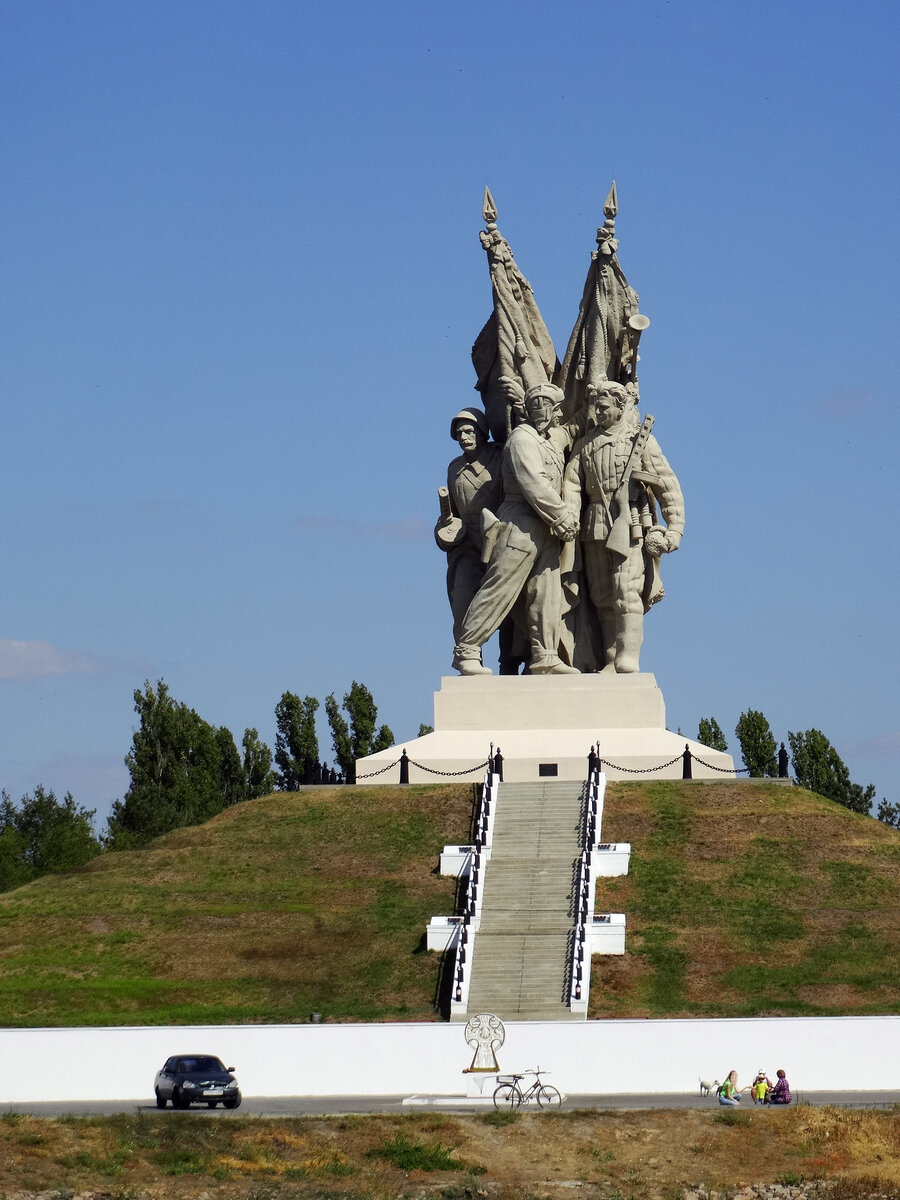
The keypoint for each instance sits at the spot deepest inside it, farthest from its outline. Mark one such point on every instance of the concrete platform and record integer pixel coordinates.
(544, 726)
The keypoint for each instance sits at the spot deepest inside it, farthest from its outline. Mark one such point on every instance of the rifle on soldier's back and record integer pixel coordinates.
(619, 539)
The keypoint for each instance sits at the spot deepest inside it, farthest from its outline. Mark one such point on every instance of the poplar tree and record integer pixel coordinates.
(355, 736)
(711, 734)
(758, 748)
(183, 771)
(259, 778)
(296, 743)
(819, 767)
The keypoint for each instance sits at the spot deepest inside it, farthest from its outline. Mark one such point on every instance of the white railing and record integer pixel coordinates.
(481, 852)
(585, 891)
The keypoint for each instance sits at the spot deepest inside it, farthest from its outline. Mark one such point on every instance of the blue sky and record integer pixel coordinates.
(240, 281)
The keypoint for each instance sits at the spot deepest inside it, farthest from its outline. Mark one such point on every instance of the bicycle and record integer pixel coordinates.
(509, 1093)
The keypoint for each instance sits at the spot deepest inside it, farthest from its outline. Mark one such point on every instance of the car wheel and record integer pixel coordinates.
(232, 1101)
(179, 1100)
(160, 1100)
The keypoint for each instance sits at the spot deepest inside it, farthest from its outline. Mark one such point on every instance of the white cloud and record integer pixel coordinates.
(36, 660)
(883, 744)
(848, 402)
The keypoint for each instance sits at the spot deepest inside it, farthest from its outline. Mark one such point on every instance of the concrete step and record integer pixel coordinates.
(520, 955)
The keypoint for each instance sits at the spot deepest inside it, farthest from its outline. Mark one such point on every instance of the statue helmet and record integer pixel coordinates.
(475, 417)
(546, 391)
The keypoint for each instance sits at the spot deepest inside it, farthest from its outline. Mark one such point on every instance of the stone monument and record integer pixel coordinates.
(554, 521)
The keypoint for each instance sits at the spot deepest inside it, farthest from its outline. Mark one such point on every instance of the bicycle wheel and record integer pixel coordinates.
(507, 1095)
(548, 1097)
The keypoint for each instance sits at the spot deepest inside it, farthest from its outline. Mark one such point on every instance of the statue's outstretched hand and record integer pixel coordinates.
(673, 540)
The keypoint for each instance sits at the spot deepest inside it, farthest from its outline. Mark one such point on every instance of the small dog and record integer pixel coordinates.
(708, 1085)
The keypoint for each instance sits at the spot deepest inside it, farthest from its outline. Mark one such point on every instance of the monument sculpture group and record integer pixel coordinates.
(554, 520)
(559, 508)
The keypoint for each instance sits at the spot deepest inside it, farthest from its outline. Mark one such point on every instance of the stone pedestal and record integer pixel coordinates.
(544, 726)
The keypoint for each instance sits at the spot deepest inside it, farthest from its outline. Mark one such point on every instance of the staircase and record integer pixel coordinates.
(522, 952)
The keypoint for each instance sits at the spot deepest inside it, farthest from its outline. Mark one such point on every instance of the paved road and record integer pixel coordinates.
(290, 1106)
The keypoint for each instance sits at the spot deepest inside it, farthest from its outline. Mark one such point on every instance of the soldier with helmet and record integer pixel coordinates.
(473, 484)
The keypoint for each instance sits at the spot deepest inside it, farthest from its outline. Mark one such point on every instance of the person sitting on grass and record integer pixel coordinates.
(781, 1092)
(760, 1087)
(728, 1091)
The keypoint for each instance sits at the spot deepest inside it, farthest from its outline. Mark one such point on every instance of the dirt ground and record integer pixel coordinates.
(651, 1155)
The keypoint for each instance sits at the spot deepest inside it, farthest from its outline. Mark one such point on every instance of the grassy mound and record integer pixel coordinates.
(743, 899)
(749, 900)
(295, 903)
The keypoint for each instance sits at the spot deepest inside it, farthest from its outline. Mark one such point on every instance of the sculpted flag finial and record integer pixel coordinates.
(489, 209)
(611, 205)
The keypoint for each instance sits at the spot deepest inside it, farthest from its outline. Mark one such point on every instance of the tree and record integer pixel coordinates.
(356, 737)
(340, 739)
(889, 813)
(231, 769)
(183, 771)
(424, 729)
(296, 743)
(819, 767)
(43, 836)
(711, 734)
(259, 778)
(757, 744)
(384, 739)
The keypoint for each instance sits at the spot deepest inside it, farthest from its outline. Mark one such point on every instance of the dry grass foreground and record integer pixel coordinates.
(651, 1155)
(743, 899)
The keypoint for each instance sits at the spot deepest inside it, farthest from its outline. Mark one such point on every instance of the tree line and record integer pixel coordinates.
(816, 764)
(183, 770)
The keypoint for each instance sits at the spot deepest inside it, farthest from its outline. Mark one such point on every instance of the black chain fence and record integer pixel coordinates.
(431, 770)
(434, 771)
(641, 770)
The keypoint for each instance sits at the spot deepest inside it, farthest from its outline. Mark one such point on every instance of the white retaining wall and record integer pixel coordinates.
(818, 1053)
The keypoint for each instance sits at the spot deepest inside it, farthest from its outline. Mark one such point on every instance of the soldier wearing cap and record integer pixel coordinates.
(525, 542)
(473, 483)
(622, 584)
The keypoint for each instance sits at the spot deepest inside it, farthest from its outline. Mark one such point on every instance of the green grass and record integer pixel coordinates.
(400, 1152)
(747, 900)
(276, 908)
(743, 899)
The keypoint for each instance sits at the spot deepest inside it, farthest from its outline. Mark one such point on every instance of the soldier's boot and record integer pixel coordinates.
(551, 664)
(629, 636)
(467, 660)
(608, 636)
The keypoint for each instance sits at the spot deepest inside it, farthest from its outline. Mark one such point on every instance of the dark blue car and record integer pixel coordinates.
(196, 1078)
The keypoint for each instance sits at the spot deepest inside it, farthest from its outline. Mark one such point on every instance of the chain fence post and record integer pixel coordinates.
(498, 764)
(686, 762)
(404, 767)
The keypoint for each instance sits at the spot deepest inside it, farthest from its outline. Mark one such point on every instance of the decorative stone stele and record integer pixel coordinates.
(485, 1034)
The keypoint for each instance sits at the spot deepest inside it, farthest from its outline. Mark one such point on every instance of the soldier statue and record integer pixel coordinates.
(619, 471)
(473, 484)
(523, 543)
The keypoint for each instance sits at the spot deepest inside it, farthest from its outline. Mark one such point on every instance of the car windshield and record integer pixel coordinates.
(200, 1062)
